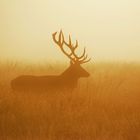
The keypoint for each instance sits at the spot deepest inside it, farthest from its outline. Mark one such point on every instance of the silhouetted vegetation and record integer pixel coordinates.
(103, 107)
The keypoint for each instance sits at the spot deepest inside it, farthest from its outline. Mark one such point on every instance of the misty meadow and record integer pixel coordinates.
(69, 70)
(104, 106)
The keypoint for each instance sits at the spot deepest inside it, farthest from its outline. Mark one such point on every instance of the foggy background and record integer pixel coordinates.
(110, 30)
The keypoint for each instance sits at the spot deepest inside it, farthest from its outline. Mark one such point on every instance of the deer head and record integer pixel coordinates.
(75, 60)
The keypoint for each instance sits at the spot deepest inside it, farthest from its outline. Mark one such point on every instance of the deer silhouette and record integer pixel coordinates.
(67, 80)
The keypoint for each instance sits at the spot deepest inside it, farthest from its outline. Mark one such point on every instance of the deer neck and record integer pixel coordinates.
(69, 75)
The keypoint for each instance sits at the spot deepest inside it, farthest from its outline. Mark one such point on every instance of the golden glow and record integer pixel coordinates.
(109, 29)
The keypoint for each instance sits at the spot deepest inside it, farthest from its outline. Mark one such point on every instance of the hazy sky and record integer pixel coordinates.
(109, 29)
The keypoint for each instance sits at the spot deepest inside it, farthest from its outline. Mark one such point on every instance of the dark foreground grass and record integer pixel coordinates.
(104, 107)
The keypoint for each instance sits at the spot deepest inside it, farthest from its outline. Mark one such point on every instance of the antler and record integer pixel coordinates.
(72, 56)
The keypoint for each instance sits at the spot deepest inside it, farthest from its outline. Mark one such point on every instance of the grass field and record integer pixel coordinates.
(105, 106)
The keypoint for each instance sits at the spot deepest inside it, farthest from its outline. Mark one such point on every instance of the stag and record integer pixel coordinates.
(67, 80)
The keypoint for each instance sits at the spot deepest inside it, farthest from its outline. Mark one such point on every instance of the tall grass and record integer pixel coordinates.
(103, 107)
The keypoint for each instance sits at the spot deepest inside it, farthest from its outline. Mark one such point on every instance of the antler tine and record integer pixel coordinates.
(60, 43)
(54, 34)
(76, 44)
(80, 57)
(72, 56)
(70, 44)
(85, 61)
(60, 39)
(60, 35)
(73, 48)
(85, 57)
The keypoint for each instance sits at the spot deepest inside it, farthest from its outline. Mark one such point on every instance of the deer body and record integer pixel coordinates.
(33, 83)
(67, 80)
